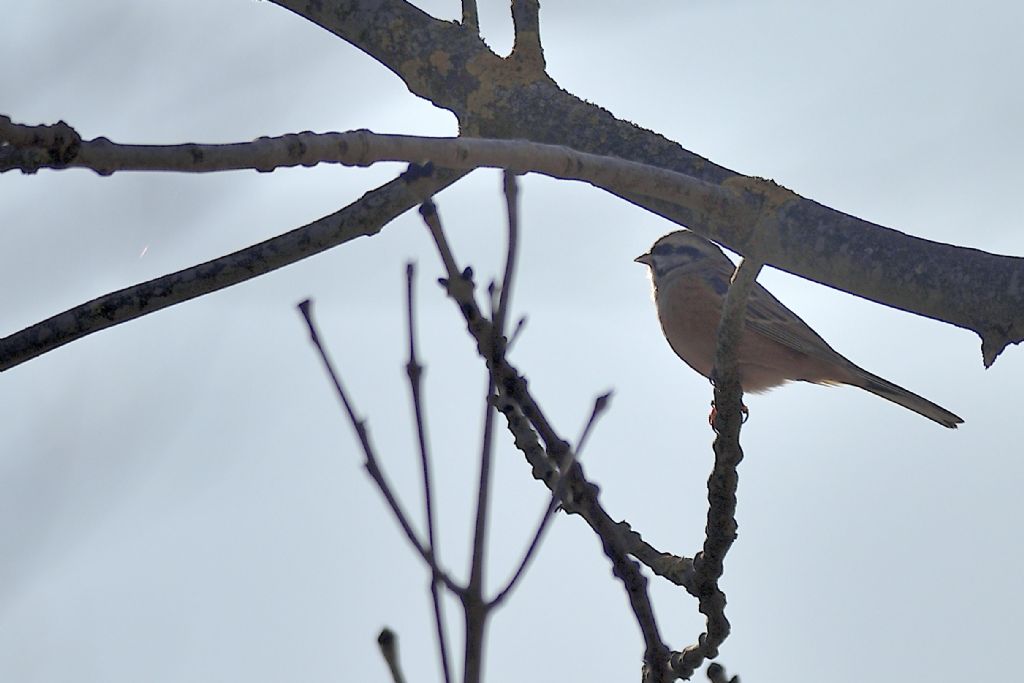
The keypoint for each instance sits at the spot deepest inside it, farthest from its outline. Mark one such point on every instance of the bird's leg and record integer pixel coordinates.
(714, 410)
(714, 413)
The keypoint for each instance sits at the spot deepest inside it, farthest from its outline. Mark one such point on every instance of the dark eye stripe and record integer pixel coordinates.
(680, 256)
(693, 252)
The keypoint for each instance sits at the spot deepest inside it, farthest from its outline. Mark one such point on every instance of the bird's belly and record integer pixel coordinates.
(689, 315)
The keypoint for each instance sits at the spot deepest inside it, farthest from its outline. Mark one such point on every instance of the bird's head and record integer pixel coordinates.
(681, 252)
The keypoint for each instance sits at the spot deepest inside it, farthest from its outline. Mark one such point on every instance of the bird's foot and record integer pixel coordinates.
(714, 414)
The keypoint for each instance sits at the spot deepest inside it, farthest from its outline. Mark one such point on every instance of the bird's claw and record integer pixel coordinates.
(714, 414)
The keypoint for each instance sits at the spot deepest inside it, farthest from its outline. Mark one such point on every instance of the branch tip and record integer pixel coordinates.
(387, 641)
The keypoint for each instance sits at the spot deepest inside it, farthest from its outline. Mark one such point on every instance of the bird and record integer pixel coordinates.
(691, 276)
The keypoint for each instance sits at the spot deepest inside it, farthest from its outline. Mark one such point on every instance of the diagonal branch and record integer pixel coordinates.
(512, 387)
(365, 216)
(372, 465)
(558, 496)
(414, 45)
(387, 641)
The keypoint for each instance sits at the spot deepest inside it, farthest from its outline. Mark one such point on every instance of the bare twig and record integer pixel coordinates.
(675, 569)
(388, 643)
(600, 405)
(372, 467)
(516, 331)
(516, 398)
(366, 216)
(415, 373)
(716, 674)
(511, 188)
(499, 316)
(475, 605)
(557, 496)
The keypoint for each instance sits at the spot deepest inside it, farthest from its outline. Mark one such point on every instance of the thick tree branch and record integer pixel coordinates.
(909, 273)
(498, 98)
(417, 47)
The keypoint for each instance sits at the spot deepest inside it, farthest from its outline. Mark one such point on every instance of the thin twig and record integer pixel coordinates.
(371, 464)
(511, 187)
(475, 605)
(516, 397)
(674, 568)
(499, 315)
(516, 331)
(388, 643)
(557, 496)
(415, 373)
(600, 405)
(716, 674)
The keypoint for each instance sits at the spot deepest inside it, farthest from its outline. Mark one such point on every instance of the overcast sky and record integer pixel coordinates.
(182, 499)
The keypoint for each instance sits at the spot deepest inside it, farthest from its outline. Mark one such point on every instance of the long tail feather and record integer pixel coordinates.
(908, 399)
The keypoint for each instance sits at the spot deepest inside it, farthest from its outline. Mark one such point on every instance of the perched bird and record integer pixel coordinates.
(691, 277)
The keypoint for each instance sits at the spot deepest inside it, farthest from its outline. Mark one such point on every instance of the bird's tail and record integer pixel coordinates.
(897, 394)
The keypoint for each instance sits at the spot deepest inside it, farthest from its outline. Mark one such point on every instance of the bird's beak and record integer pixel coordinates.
(644, 259)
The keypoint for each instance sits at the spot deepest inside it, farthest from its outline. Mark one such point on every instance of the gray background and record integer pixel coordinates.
(181, 499)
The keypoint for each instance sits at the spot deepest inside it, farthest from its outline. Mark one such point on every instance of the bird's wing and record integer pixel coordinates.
(769, 317)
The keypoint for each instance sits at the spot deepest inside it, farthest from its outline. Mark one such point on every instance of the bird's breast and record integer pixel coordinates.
(689, 311)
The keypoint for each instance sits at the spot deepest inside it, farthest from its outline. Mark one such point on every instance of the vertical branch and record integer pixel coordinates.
(722, 484)
(474, 605)
(511, 187)
(526, 24)
(415, 373)
(470, 17)
(479, 607)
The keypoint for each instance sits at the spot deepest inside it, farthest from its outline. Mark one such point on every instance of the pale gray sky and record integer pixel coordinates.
(182, 499)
